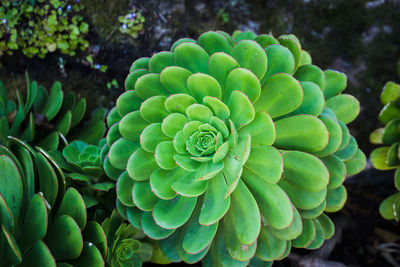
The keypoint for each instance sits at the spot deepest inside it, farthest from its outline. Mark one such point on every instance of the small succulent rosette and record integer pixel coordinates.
(126, 245)
(83, 166)
(230, 148)
(43, 222)
(45, 116)
(387, 157)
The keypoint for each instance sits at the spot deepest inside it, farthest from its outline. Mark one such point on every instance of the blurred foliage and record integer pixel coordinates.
(41, 27)
(108, 23)
(132, 23)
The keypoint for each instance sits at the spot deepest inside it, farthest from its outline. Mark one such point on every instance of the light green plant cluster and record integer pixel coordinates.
(41, 27)
(131, 23)
(387, 157)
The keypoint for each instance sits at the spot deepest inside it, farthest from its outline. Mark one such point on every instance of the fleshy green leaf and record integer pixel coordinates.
(143, 197)
(152, 230)
(311, 73)
(214, 204)
(335, 199)
(191, 57)
(174, 79)
(35, 226)
(218, 107)
(11, 185)
(151, 136)
(66, 229)
(390, 92)
(307, 235)
(127, 102)
(244, 215)
(313, 102)
(73, 205)
(153, 110)
(199, 112)
(357, 163)
(302, 132)
(269, 247)
(159, 61)
(124, 189)
(173, 123)
(201, 85)
(300, 198)
(265, 40)
(178, 103)
(280, 60)
(120, 152)
(220, 65)
(242, 111)
(250, 55)
(278, 214)
(280, 94)
(305, 171)
(243, 80)
(141, 165)
(161, 181)
(292, 231)
(132, 78)
(261, 129)
(214, 42)
(149, 85)
(336, 82)
(54, 101)
(378, 158)
(335, 136)
(131, 126)
(164, 155)
(264, 163)
(179, 210)
(346, 107)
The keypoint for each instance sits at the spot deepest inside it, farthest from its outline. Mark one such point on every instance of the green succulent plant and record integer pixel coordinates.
(231, 148)
(126, 246)
(83, 165)
(42, 222)
(387, 156)
(44, 115)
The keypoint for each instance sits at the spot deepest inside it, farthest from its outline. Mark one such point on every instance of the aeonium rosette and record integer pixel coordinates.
(229, 149)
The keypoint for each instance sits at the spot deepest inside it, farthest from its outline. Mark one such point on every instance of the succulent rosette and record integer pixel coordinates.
(83, 166)
(229, 149)
(387, 157)
(126, 245)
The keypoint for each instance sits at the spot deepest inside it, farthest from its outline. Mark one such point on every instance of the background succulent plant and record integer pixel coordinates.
(124, 242)
(83, 166)
(229, 149)
(387, 156)
(43, 115)
(41, 221)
